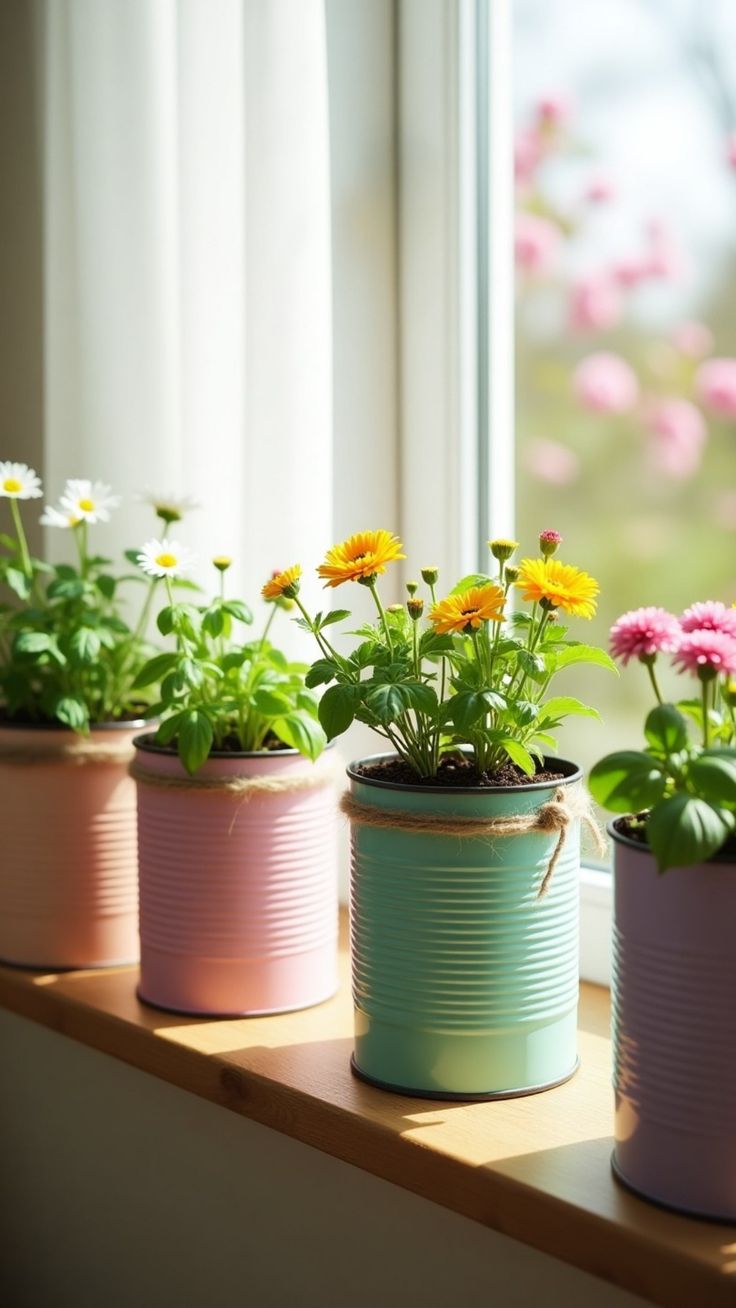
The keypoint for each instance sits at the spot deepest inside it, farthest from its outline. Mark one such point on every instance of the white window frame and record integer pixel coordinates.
(454, 170)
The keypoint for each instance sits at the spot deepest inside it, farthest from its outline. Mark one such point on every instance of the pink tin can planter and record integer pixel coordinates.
(674, 1027)
(68, 873)
(238, 886)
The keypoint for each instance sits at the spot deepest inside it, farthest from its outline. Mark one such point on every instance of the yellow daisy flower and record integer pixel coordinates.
(559, 585)
(468, 610)
(283, 583)
(360, 557)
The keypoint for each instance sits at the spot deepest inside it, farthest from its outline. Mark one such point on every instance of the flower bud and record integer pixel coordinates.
(549, 542)
(416, 608)
(222, 562)
(395, 608)
(412, 587)
(430, 575)
(502, 549)
(511, 574)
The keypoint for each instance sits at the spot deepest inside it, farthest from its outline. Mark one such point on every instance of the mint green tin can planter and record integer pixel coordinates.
(465, 981)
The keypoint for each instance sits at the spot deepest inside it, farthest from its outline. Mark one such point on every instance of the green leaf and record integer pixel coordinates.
(66, 588)
(165, 620)
(321, 672)
(132, 556)
(337, 709)
(191, 672)
(563, 706)
(72, 712)
(155, 669)
(195, 739)
(433, 645)
(271, 703)
(32, 642)
(519, 755)
(237, 609)
(683, 830)
(627, 781)
(234, 659)
(301, 732)
(534, 665)
(569, 654)
(713, 774)
(387, 702)
(472, 579)
(106, 585)
(168, 728)
(18, 582)
(213, 621)
(84, 645)
(466, 708)
(666, 730)
(337, 615)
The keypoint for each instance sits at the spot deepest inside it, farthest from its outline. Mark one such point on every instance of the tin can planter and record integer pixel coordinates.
(465, 981)
(674, 1030)
(238, 882)
(68, 872)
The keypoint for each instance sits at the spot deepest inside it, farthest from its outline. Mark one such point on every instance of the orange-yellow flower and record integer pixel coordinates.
(560, 585)
(363, 555)
(283, 583)
(468, 610)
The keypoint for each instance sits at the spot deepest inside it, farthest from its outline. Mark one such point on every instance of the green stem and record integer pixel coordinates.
(706, 723)
(652, 677)
(322, 641)
(382, 612)
(22, 542)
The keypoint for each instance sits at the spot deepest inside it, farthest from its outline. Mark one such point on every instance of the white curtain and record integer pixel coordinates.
(187, 267)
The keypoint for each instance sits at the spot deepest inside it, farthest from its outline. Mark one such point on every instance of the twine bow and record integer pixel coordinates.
(567, 805)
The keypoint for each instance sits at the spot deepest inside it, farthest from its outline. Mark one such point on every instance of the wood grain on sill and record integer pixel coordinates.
(536, 1168)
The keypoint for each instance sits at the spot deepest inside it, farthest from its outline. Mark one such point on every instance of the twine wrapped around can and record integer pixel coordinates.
(568, 804)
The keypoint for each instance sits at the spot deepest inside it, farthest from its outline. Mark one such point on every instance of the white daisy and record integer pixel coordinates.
(165, 558)
(89, 501)
(52, 517)
(170, 508)
(19, 482)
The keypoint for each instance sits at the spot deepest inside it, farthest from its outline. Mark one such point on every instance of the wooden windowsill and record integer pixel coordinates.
(536, 1169)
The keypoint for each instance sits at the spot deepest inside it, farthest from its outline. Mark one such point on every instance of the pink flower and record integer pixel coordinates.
(716, 385)
(554, 110)
(528, 154)
(693, 339)
(606, 384)
(537, 243)
(595, 304)
(707, 653)
(710, 615)
(599, 191)
(552, 462)
(679, 436)
(644, 633)
(665, 258)
(630, 272)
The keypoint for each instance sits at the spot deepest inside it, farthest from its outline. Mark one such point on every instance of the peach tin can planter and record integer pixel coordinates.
(238, 881)
(68, 873)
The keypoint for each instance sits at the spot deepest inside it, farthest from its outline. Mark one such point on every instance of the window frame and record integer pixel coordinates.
(455, 207)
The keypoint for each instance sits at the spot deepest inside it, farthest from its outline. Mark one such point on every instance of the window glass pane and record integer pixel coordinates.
(626, 280)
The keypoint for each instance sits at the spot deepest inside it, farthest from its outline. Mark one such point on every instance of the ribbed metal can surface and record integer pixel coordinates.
(68, 869)
(674, 1031)
(238, 892)
(465, 982)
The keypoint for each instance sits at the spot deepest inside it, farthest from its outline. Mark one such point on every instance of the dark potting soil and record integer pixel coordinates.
(453, 771)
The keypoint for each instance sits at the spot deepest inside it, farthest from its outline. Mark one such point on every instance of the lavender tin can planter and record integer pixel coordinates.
(68, 872)
(465, 982)
(674, 1030)
(238, 888)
